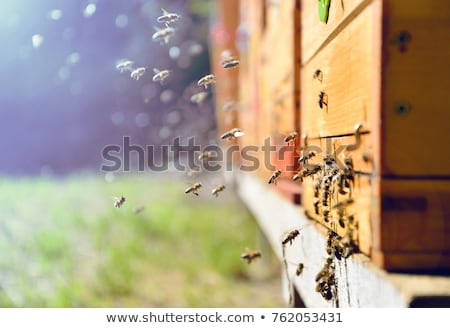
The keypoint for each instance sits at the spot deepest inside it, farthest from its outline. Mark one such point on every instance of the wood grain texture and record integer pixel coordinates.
(346, 65)
(316, 34)
(419, 76)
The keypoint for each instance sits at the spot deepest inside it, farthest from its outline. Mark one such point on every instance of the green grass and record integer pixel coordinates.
(63, 244)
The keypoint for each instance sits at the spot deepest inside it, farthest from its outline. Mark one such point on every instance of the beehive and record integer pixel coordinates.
(380, 69)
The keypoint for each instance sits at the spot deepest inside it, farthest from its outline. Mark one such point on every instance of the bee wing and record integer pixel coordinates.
(238, 134)
(156, 71)
(165, 12)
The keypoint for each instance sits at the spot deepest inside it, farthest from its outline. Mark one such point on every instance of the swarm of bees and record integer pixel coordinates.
(249, 255)
(118, 201)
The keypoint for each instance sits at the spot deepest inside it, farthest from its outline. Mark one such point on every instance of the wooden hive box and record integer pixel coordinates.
(382, 66)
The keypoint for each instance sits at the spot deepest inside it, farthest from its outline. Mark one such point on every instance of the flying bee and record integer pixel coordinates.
(139, 209)
(206, 80)
(167, 17)
(290, 237)
(137, 73)
(318, 74)
(304, 159)
(323, 100)
(217, 189)
(233, 133)
(160, 76)
(250, 255)
(228, 60)
(199, 97)
(205, 155)
(163, 35)
(275, 175)
(193, 188)
(124, 66)
(290, 137)
(118, 201)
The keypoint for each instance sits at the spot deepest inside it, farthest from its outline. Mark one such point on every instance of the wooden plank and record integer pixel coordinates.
(315, 34)
(360, 282)
(361, 192)
(417, 78)
(346, 65)
(415, 215)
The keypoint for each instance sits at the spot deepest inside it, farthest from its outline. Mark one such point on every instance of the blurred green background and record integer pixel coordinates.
(64, 244)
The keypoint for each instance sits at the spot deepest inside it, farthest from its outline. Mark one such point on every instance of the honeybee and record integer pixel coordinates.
(139, 209)
(124, 66)
(317, 189)
(250, 255)
(217, 189)
(228, 105)
(326, 215)
(291, 136)
(343, 204)
(325, 279)
(299, 270)
(323, 99)
(275, 175)
(304, 159)
(228, 60)
(318, 74)
(167, 17)
(160, 76)
(316, 207)
(163, 35)
(205, 155)
(290, 237)
(118, 201)
(199, 97)
(299, 176)
(233, 133)
(193, 188)
(206, 80)
(137, 73)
